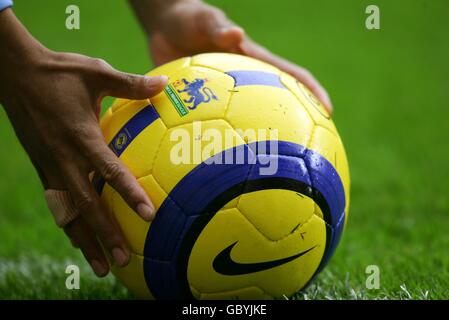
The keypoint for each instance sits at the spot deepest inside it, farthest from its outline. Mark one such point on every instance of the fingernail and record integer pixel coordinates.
(229, 28)
(99, 268)
(223, 29)
(120, 257)
(155, 81)
(145, 211)
(163, 78)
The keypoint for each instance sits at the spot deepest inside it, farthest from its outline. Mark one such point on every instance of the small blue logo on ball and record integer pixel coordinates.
(120, 141)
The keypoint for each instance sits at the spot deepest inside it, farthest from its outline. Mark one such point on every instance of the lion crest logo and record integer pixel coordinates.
(196, 91)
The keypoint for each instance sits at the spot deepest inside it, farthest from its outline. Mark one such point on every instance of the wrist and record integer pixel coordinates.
(17, 42)
(18, 52)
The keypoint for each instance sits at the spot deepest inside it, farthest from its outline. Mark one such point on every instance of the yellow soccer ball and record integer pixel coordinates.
(248, 175)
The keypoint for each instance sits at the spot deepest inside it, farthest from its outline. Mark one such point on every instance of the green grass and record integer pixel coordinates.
(390, 91)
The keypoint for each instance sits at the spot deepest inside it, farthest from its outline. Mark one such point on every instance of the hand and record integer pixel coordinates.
(188, 27)
(53, 102)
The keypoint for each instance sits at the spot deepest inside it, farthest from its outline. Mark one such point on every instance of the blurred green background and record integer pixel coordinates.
(390, 89)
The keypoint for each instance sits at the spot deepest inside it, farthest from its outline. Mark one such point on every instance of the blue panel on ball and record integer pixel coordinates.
(171, 223)
(255, 78)
(326, 179)
(210, 185)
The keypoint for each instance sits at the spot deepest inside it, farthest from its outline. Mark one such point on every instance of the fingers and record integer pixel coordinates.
(254, 50)
(229, 38)
(102, 224)
(226, 36)
(100, 157)
(121, 179)
(223, 33)
(83, 237)
(306, 78)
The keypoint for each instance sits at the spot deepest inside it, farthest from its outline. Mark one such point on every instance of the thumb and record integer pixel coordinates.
(132, 86)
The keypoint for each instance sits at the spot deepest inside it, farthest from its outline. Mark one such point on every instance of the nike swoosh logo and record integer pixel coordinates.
(224, 264)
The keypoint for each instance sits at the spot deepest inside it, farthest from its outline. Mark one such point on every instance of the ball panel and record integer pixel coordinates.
(118, 103)
(140, 153)
(276, 213)
(232, 204)
(249, 107)
(196, 294)
(318, 211)
(230, 226)
(231, 62)
(307, 100)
